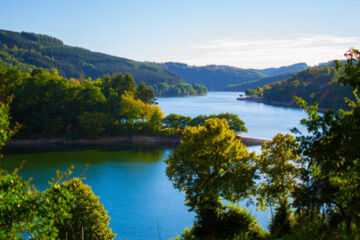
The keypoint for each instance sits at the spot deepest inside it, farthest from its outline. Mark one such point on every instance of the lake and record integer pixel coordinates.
(261, 120)
(131, 181)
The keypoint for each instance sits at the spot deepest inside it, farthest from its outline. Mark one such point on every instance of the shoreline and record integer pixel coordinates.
(112, 141)
(291, 104)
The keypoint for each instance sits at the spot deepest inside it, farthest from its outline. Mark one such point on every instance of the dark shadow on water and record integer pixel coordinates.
(62, 158)
(62, 148)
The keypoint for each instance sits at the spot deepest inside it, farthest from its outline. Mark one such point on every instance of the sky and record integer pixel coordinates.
(240, 33)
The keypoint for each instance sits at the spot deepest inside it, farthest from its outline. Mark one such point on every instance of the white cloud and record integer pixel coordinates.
(311, 49)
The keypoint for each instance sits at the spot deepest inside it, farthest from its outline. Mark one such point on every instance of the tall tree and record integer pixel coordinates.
(210, 165)
(332, 154)
(280, 168)
(145, 94)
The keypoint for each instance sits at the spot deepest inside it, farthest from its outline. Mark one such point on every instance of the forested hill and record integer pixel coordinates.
(217, 78)
(214, 77)
(27, 50)
(284, 70)
(316, 84)
(259, 83)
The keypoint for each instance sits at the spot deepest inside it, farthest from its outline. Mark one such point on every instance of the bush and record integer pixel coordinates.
(233, 223)
(83, 209)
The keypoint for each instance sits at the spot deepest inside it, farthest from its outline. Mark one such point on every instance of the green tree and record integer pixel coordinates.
(21, 211)
(5, 131)
(176, 121)
(233, 223)
(92, 123)
(129, 84)
(331, 151)
(82, 211)
(210, 165)
(234, 121)
(145, 94)
(280, 166)
(131, 108)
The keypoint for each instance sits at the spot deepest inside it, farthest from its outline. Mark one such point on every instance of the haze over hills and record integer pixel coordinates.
(217, 78)
(284, 69)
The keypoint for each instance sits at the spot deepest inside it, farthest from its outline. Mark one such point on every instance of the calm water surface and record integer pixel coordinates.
(262, 121)
(131, 182)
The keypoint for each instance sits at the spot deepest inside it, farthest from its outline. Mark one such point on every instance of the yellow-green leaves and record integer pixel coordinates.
(209, 164)
(279, 165)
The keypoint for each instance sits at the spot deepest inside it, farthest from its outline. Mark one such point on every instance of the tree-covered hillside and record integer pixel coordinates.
(226, 78)
(28, 50)
(317, 84)
(285, 69)
(215, 78)
(260, 82)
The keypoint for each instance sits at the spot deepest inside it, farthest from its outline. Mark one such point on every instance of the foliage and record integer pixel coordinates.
(235, 123)
(259, 83)
(310, 225)
(316, 84)
(213, 77)
(35, 50)
(180, 89)
(217, 78)
(333, 161)
(176, 121)
(280, 166)
(61, 211)
(210, 165)
(145, 93)
(180, 122)
(19, 209)
(285, 69)
(92, 124)
(253, 92)
(83, 212)
(281, 224)
(6, 132)
(233, 222)
(49, 105)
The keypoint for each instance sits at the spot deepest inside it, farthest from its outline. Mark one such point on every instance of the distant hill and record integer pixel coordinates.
(27, 50)
(316, 84)
(285, 69)
(259, 83)
(226, 78)
(214, 77)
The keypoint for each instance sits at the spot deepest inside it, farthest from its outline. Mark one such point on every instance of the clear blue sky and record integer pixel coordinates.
(257, 33)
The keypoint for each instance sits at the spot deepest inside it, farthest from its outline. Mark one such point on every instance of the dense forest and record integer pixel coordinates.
(222, 78)
(180, 89)
(317, 84)
(50, 106)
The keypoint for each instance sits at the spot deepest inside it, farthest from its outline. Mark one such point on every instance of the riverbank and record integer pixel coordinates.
(112, 141)
(291, 104)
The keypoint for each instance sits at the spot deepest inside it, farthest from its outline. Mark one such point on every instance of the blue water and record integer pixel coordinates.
(131, 182)
(262, 121)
